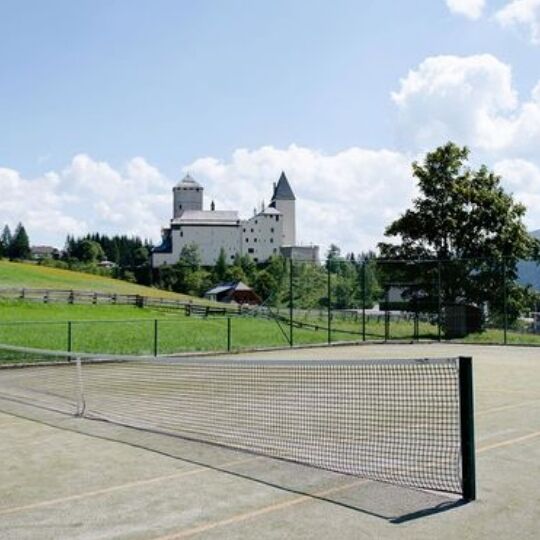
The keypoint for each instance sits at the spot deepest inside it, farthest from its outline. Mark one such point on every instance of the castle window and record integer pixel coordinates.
(251, 230)
(277, 218)
(182, 234)
(271, 240)
(271, 229)
(247, 239)
(255, 240)
(244, 229)
(251, 250)
(256, 222)
(255, 259)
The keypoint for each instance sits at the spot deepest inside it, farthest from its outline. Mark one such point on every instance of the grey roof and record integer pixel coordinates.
(218, 289)
(271, 211)
(214, 217)
(283, 190)
(188, 181)
(234, 285)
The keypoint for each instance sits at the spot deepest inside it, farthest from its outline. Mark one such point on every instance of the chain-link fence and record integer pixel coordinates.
(295, 303)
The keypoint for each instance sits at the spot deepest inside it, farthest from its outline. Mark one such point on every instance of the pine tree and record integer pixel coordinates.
(5, 241)
(20, 244)
(220, 269)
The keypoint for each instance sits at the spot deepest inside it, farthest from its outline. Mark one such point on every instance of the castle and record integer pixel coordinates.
(271, 231)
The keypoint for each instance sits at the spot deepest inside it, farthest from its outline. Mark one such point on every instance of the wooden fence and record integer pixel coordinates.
(61, 296)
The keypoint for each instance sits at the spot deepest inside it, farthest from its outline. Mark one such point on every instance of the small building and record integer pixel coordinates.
(236, 291)
(39, 253)
(106, 264)
(308, 254)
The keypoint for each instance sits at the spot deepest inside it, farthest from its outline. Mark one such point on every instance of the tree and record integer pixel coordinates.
(220, 268)
(464, 220)
(190, 256)
(333, 256)
(5, 241)
(88, 251)
(19, 247)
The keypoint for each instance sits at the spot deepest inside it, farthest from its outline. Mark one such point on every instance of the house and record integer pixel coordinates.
(44, 252)
(237, 292)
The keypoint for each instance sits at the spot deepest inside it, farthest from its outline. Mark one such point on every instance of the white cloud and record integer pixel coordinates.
(470, 100)
(86, 196)
(522, 179)
(471, 9)
(346, 198)
(522, 14)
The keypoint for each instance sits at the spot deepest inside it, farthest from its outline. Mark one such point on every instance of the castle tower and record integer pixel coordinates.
(187, 195)
(284, 201)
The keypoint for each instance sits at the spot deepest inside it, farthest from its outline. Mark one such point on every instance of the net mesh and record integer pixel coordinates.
(390, 420)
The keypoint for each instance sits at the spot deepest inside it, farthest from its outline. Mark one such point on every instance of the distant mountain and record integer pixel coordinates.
(529, 272)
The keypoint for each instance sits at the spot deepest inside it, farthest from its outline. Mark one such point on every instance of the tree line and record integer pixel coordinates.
(344, 282)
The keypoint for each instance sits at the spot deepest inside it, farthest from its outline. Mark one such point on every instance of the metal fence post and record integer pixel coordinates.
(439, 302)
(291, 303)
(329, 311)
(228, 334)
(387, 314)
(364, 300)
(466, 410)
(505, 303)
(156, 337)
(69, 337)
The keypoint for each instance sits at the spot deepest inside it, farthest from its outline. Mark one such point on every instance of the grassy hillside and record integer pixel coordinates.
(33, 276)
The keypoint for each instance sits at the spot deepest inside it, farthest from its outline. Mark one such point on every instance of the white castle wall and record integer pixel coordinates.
(210, 240)
(261, 236)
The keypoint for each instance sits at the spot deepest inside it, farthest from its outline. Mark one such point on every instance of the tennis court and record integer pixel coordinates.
(75, 477)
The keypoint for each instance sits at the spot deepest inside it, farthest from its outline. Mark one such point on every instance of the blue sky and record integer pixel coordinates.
(130, 94)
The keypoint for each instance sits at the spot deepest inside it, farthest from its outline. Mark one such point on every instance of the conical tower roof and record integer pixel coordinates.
(189, 182)
(283, 190)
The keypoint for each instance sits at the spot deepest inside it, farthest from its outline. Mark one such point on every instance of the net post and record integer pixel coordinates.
(80, 388)
(466, 410)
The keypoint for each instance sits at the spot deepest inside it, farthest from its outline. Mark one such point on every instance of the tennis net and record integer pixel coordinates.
(407, 422)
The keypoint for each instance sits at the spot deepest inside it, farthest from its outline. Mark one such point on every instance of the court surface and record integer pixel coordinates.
(67, 477)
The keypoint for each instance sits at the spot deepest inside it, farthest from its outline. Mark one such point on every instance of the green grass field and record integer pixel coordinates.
(123, 329)
(20, 274)
(132, 330)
